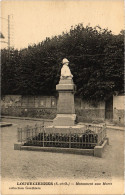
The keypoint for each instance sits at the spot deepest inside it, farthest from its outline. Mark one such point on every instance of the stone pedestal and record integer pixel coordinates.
(65, 107)
(66, 129)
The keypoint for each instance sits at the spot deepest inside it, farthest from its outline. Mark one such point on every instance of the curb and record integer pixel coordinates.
(89, 152)
(26, 118)
(117, 128)
(98, 150)
(5, 124)
(113, 127)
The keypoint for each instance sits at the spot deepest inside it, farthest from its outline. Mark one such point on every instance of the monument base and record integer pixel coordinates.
(66, 129)
(64, 120)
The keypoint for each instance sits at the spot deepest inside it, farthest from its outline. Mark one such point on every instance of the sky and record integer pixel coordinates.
(31, 21)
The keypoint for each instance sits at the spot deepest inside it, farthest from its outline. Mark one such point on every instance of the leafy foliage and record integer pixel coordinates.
(96, 62)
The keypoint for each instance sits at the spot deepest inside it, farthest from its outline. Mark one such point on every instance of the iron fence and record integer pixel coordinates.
(91, 136)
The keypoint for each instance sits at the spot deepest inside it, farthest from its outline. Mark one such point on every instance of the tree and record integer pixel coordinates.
(96, 62)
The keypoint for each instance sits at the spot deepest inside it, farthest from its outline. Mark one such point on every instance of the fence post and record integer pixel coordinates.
(18, 134)
(17, 146)
(32, 136)
(27, 131)
(70, 138)
(43, 124)
(98, 137)
(105, 131)
(101, 134)
(35, 128)
(43, 136)
(21, 135)
(54, 143)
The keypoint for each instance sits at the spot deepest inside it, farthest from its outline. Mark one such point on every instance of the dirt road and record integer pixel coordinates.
(33, 165)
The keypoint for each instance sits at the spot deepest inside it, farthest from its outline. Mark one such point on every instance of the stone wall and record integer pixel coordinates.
(29, 106)
(89, 111)
(45, 107)
(118, 109)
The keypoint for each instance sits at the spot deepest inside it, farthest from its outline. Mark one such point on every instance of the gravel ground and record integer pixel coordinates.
(33, 165)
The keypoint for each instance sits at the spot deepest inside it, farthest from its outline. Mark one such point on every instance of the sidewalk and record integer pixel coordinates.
(111, 126)
(116, 128)
(27, 118)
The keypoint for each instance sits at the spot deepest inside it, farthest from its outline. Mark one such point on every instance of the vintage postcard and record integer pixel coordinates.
(62, 97)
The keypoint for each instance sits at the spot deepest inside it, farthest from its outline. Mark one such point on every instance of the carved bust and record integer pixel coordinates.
(65, 71)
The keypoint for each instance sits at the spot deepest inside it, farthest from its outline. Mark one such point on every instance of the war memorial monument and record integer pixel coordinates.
(64, 134)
